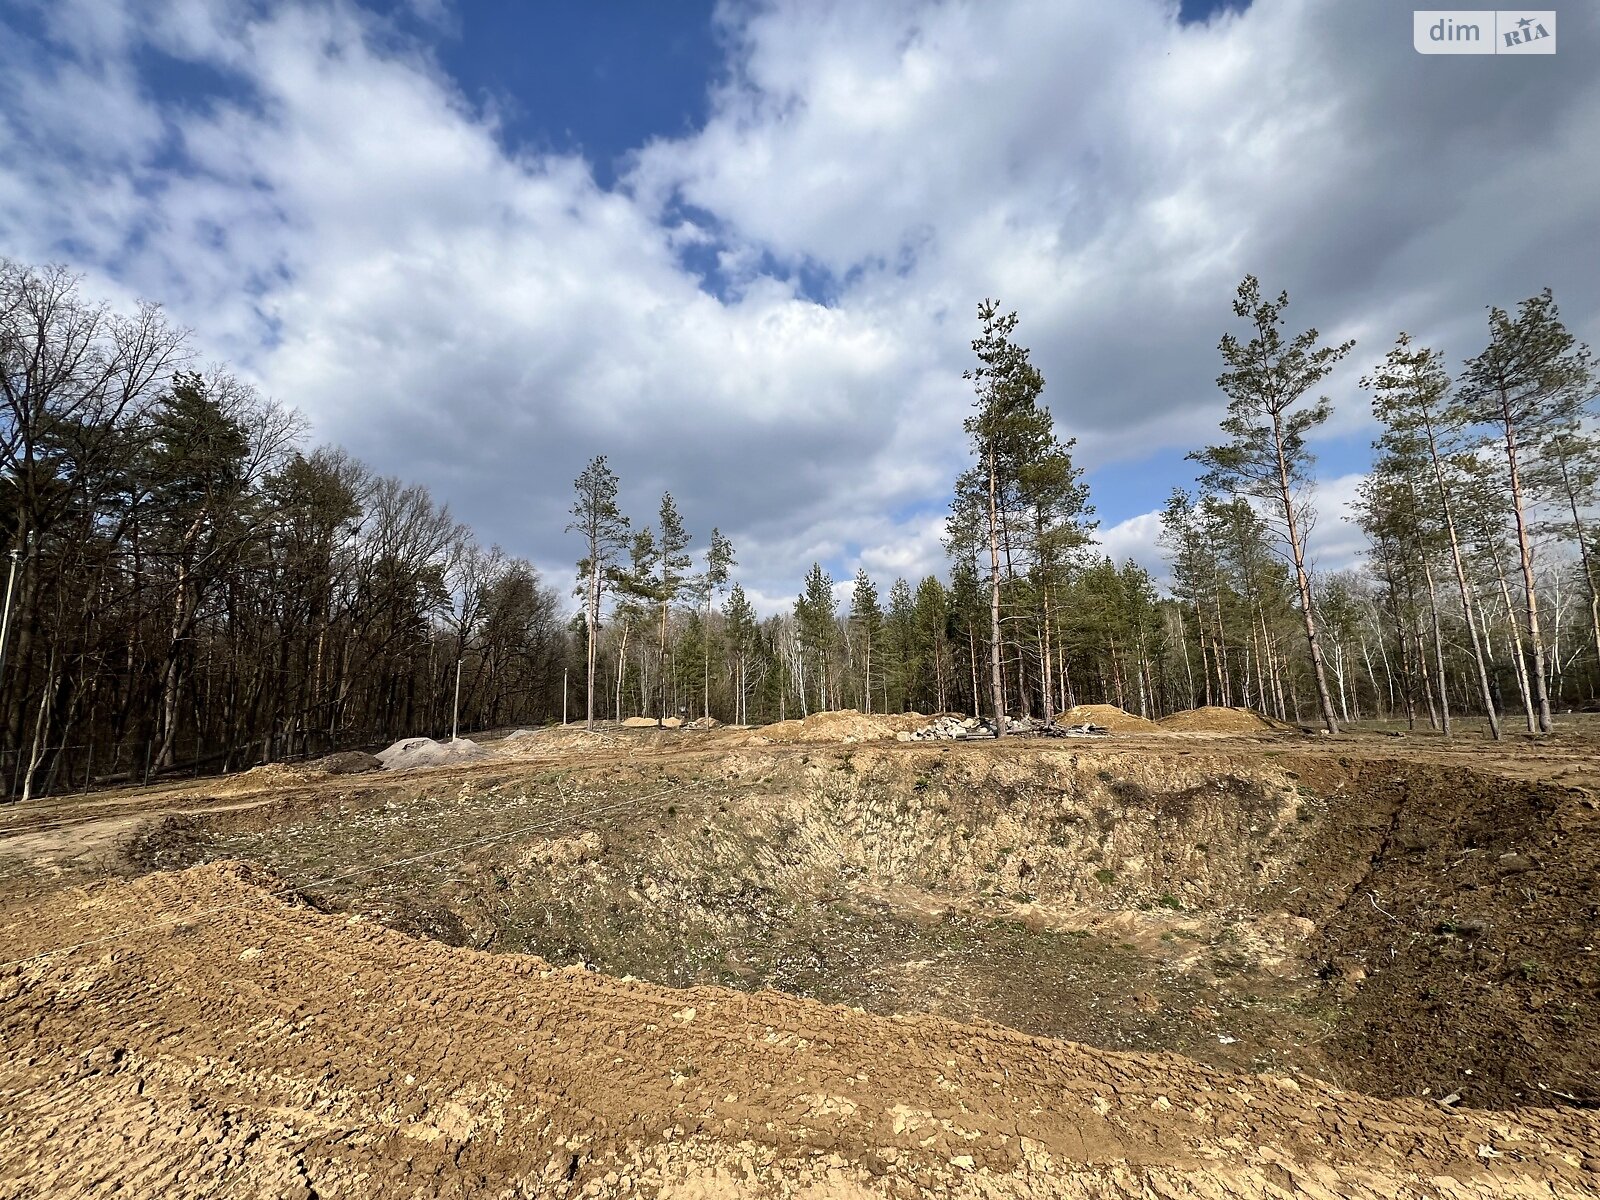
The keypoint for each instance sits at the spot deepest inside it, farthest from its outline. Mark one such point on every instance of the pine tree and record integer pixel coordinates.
(816, 621)
(902, 650)
(740, 618)
(968, 617)
(671, 584)
(597, 519)
(866, 618)
(719, 557)
(932, 621)
(1002, 431)
(638, 596)
(1569, 478)
(1410, 396)
(1266, 456)
(1530, 383)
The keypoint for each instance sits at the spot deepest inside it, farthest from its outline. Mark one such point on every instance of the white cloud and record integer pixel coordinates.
(345, 226)
(1135, 538)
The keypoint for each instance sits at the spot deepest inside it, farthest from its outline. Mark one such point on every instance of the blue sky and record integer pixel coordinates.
(595, 79)
(738, 247)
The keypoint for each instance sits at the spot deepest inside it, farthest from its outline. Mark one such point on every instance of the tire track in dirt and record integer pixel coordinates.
(287, 1052)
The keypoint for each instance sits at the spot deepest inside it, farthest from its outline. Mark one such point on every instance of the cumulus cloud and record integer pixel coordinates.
(335, 216)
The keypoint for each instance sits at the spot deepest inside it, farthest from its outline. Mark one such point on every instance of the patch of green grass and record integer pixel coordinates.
(1106, 876)
(1167, 900)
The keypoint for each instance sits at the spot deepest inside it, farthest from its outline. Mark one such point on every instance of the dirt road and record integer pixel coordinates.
(209, 1039)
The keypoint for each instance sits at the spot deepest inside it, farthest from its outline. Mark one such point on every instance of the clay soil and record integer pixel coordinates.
(705, 963)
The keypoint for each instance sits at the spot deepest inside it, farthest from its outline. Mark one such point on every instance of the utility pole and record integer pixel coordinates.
(455, 706)
(5, 628)
(5, 621)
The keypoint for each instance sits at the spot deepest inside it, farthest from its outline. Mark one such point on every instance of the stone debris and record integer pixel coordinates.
(953, 728)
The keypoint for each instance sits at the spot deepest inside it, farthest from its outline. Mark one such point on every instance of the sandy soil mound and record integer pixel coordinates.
(650, 723)
(209, 1040)
(1108, 715)
(1211, 718)
(538, 743)
(266, 777)
(425, 752)
(844, 725)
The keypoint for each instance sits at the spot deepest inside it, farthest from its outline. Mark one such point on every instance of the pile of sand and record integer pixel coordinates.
(650, 723)
(268, 775)
(845, 725)
(543, 743)
(425, 752)
(1212, 718)
(1109, 716)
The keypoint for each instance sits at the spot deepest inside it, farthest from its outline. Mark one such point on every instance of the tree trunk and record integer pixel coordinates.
(1461, 584)
(1183, 644)
(996, 692)
(1585, 558)
(1520, 658)
(1438, 645)
(1541, 696)
(591, 615)
(1044, 659)
(1303, 581)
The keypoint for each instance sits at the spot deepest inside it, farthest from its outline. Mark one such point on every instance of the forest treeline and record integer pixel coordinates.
(1478, 595)
(191, 586)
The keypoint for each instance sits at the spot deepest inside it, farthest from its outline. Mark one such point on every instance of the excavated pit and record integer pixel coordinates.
(1401, 930)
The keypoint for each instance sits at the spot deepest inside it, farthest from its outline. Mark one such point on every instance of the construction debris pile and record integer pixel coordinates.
(953, 728)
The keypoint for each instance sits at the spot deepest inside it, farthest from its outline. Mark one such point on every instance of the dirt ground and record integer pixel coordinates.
(710, 963)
